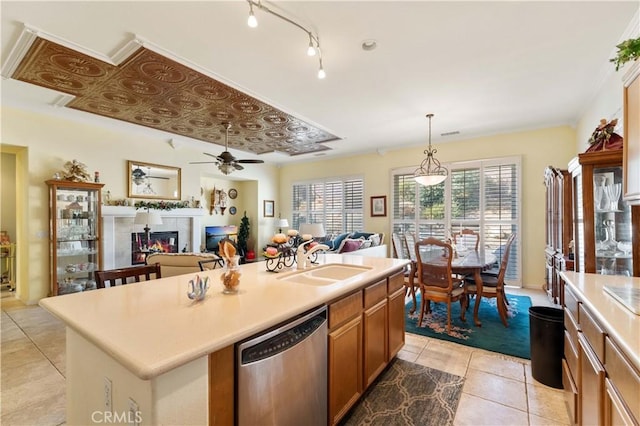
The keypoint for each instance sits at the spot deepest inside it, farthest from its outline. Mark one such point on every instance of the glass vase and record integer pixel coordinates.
(230, 276)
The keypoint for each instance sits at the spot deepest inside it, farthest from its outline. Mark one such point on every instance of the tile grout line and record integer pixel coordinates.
(35, 344)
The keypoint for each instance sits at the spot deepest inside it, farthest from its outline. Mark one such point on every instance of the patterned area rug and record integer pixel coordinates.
(408, 394)
(492, 336)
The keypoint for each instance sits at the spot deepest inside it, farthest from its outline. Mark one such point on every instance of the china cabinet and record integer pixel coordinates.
(603, 223)
(631, 167)
(558, 228)
(75, 235)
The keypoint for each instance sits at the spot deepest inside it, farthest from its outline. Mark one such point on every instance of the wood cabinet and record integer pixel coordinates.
(75, 235)
(366, 330)
(631, 148)
(603, 223)
(558, 228)
(601, 385)
(375, 324)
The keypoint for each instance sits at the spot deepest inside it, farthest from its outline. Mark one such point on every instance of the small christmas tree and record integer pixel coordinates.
(243, 235)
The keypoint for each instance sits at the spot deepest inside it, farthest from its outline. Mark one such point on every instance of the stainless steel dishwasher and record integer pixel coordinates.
(282, 374)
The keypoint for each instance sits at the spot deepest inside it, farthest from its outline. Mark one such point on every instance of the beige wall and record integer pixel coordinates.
(49, 142)
(537, 149)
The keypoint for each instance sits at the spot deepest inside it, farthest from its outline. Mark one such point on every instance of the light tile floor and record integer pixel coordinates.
(498, 390)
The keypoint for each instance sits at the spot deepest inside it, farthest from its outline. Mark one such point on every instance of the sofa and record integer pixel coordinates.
(172, 264)
(358, 244)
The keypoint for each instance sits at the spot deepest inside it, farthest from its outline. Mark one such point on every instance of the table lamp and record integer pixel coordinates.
(282, 223)
(316, 230)
(146, 218)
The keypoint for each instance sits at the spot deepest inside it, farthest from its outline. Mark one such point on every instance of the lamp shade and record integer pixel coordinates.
(313, 229)
(428, 180)
(282, 223)
(150, 217)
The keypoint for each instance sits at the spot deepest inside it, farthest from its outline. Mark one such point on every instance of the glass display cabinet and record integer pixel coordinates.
(603, 222)
(75, 235)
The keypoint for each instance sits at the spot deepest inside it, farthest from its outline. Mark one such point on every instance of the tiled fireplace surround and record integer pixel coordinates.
(117, 226)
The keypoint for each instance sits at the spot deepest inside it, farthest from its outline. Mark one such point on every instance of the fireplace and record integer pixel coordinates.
(160, 242)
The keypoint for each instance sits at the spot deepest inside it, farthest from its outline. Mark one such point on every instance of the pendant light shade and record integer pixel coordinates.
(430, 172)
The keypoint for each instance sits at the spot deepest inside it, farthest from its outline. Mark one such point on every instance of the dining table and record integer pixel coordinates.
(468, 262)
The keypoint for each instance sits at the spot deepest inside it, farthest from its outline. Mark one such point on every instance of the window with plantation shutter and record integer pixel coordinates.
(483, 196)
(337, 203)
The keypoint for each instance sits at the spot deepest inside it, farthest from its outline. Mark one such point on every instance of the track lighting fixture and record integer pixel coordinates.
(314, 40)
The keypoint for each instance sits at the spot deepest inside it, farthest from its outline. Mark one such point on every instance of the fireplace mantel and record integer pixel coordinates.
(117, 221)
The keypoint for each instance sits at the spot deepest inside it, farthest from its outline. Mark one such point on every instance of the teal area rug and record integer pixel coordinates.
(408, 394)
(492, 336)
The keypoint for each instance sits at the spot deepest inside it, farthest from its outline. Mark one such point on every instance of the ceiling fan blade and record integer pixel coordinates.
(238, 166)
(203, 162)
(210, 155)
(250, 161)
(158, 177)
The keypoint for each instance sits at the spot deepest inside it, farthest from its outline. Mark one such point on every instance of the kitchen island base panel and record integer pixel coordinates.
(171, 398)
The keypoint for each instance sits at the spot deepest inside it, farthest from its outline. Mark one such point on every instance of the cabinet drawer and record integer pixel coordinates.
(616, 412)
(396, 282)
(570, 393)
(375, 293)
(572, 328)
(571, 355)
(345, 309)
(571, 304)
(593, 332)
(623, 376)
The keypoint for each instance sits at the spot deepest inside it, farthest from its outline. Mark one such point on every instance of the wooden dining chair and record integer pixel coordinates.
(411, 282)
(400, 251)
(127, 275)
(209, 264)
(467, 238)
(436, 281)
(493, 286)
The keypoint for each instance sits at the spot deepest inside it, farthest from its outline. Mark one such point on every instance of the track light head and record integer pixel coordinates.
(252, 21)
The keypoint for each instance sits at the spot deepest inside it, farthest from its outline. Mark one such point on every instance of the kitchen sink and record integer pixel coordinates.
(337, 271)
(325, 274)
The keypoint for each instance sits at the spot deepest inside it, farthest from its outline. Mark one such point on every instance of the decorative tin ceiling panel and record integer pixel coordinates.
(154, 91)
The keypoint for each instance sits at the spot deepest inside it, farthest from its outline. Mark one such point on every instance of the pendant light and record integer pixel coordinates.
(430, 171)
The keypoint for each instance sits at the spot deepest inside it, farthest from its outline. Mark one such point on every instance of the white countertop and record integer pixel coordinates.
(622, 325)
(153, 327)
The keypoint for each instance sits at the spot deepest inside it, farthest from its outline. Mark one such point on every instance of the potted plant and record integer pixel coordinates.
(243, 236)
(628, 51)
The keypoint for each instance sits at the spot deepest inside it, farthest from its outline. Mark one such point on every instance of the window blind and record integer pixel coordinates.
(336, 203)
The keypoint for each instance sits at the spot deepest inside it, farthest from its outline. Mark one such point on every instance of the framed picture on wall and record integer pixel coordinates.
(268, 208)
(379, 205)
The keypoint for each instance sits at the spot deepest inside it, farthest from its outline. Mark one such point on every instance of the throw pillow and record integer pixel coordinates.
(338, 240)
(365, 244)
(349, 245)
(375, 240)
(361, 234)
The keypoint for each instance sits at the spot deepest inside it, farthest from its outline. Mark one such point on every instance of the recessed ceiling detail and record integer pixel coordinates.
(157, 92)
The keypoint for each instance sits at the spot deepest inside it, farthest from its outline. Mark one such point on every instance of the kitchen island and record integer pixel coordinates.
(161, 356)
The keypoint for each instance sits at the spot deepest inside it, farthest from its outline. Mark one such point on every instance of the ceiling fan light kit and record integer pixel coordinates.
(227, 163)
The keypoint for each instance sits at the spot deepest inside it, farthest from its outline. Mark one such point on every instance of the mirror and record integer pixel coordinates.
(153, 181)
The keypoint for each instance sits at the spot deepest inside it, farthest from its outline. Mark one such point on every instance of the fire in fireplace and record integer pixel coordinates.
(161, 242)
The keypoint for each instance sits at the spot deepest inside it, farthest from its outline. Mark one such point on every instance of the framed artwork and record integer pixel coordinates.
(233, 193)
(268, 208)
(379, 205)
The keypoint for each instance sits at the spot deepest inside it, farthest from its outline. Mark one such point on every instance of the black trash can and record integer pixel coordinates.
(546, 332)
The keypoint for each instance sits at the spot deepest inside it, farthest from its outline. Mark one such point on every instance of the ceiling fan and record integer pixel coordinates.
(138, 176)
(226, 162)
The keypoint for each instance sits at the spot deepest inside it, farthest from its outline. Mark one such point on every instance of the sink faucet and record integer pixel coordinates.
(302, 257)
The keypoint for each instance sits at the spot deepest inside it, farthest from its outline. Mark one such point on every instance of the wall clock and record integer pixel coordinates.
(233, 193)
